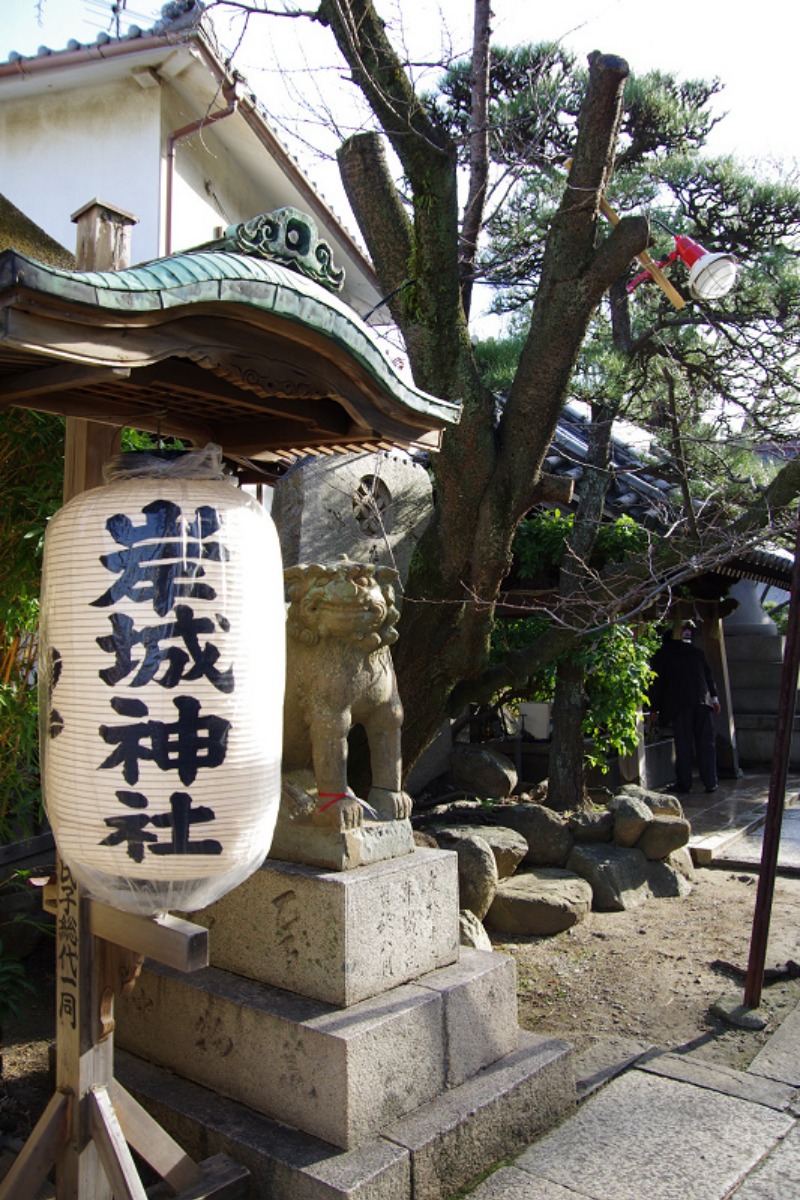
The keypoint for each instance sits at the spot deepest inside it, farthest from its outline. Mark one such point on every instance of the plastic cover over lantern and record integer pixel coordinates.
(161, 682)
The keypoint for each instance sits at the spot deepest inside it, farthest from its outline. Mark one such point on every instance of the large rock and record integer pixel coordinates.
(546, 832)
(542, 901)
(472, 932)
(623, 878)
(667, 880)
(456, 810)
(663, 836)
(617, 876)
(682, 862)
(481, 771)
(594, 825)
(373, 507)
(507, 845)
(657, 802)
(631, 818)
(477, 871)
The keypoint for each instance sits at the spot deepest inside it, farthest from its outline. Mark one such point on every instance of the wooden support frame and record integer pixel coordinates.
(669, 290)
(92, 1124)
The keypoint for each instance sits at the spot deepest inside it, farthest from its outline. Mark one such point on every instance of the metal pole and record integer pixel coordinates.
(777, 792)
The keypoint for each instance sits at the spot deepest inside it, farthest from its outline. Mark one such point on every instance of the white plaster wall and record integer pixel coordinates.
(57, 151)
(211, 188)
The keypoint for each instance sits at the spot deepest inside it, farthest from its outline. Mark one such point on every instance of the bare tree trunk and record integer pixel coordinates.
(676, 441)
(566, 776)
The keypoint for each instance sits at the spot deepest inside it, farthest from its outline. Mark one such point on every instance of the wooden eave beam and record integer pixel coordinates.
(119, 413)
(39, 381)
(185, 378)
(273, 435)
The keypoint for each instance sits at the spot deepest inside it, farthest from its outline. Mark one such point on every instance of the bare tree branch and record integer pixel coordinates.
(478, 150)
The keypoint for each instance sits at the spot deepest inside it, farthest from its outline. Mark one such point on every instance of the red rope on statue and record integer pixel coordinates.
(335, 798)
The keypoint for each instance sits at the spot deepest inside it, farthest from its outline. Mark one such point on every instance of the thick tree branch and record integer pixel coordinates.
(614, 254)
(432, 305)
(598, 126)
(776, 498)
(478, 150)
(574, 276)
(379, 211)
(381, 77)
(514, 672)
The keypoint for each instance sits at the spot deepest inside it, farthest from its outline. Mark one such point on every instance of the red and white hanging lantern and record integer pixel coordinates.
(161, 689)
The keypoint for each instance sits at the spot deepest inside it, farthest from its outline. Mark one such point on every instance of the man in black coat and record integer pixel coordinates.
(684, 695)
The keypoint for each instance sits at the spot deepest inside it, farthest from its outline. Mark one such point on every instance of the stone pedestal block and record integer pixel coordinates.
(428, 1156)
(337, 1074)
(341, 850)
(479, 994)
(340, 1047)
(339, 936)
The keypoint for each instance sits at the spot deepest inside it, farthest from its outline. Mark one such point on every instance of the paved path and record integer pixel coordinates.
(674, 1128)
(730, 822)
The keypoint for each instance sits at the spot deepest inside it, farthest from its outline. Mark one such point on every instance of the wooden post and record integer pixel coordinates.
(770, 846)
(104, 236)
(725, 729)
(103, 244)
(91, 1120)
(83, 1060)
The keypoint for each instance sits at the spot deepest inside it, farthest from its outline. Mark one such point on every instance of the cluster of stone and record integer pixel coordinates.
(526, 869)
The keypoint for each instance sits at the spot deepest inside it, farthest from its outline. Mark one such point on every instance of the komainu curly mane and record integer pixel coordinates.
(360, 594)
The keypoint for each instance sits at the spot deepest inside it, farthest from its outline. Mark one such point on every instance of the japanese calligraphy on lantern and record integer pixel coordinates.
(163, 643)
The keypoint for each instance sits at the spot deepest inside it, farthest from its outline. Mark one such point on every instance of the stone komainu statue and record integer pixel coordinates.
(339, 673)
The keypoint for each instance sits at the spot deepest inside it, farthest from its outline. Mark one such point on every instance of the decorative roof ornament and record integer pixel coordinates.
(179, 14)
(287, 236)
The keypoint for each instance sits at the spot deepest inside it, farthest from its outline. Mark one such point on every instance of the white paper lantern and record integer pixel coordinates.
(161, 684)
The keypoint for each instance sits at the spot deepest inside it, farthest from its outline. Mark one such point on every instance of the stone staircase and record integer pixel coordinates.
(342, 1046)
(755, 663)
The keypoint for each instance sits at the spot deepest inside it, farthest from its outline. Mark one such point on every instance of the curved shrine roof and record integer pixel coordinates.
(215, 343)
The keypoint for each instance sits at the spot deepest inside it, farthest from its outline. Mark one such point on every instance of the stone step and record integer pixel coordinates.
(753, 647)
(339, 936)
(763, 721)
(717, 828)
(720, 825)
(338, 1074)
(758, 745)
(754, 701)
(498, 1112)
(760, 673)
(427, 1155)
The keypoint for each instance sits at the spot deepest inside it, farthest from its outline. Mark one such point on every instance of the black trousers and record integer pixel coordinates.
(693, 731)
